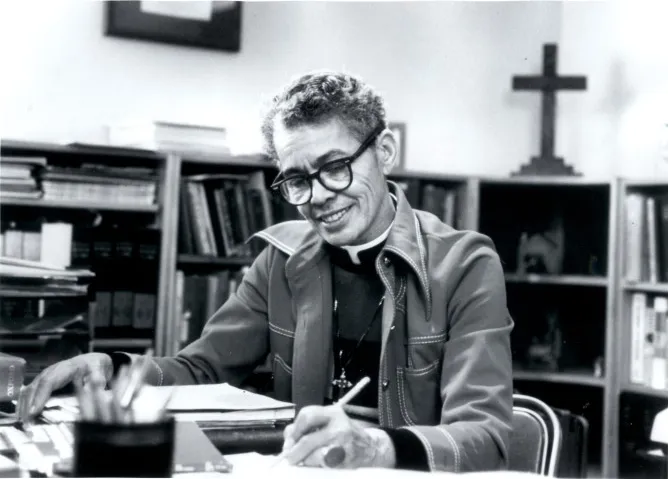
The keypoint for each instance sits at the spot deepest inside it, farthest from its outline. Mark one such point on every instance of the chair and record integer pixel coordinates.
(536, 437)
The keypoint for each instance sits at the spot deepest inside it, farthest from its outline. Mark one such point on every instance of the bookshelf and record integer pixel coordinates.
(590, 292)
(642, 321)
(95, 208)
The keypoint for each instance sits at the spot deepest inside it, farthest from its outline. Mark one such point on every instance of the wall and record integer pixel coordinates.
(617, 126)
(445, 69)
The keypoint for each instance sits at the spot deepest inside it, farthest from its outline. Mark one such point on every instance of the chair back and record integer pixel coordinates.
(536, 437)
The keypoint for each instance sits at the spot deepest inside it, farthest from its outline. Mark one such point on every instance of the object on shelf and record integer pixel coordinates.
(660, 428)
(542, 252)
(545, 351)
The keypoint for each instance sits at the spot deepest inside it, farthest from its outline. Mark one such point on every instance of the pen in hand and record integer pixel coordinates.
(349, 396)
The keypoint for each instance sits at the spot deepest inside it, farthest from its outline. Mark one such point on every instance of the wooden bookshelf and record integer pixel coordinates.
(481, 203)
(90, 178)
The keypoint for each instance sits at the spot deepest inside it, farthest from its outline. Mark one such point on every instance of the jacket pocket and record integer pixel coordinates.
(420, 394)
(282, 374)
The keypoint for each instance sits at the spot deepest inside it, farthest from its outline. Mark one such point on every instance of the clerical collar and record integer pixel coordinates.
(355, 250)
(363, 256)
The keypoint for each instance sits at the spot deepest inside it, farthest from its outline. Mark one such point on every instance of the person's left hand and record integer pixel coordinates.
(317, 429)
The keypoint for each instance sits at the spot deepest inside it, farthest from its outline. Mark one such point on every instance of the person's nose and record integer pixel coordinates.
(320, 195)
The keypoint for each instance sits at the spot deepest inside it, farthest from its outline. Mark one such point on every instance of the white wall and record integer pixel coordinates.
(445, 69)
(617, 127)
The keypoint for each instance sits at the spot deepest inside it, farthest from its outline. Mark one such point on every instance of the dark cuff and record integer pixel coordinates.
(118, 359)
(409, 450)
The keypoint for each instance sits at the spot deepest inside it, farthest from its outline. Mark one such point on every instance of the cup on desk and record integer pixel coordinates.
(114, 436)
(124, 450)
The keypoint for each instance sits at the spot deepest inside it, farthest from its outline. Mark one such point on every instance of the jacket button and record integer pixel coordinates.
(386, 261)
(386, 384)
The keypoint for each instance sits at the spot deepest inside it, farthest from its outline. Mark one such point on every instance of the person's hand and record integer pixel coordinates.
(79, 370)
(327, 437)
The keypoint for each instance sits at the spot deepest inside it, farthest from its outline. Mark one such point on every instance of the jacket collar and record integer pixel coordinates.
(304, 246)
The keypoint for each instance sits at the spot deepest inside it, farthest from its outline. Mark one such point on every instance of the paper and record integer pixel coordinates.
(189, 10)
(217, 397)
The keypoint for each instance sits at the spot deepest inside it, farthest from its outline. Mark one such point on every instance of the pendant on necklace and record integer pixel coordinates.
(341, 384)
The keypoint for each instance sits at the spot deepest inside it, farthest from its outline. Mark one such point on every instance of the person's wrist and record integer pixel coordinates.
(385, 455)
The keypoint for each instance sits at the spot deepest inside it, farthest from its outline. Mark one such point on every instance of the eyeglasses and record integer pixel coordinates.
(335, 176)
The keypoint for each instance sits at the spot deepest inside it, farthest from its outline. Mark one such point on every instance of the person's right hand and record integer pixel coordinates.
(79, 370)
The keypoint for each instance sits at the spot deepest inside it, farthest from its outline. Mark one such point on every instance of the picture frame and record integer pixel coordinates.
(214, 25)
(399, 130)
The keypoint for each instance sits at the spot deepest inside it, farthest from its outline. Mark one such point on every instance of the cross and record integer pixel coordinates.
(549, 83)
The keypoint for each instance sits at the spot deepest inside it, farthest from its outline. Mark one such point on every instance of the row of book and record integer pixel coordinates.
(219, 212)
(649, 340)
(32, 177)
(198, 297)
(125, 260)
(646, 235)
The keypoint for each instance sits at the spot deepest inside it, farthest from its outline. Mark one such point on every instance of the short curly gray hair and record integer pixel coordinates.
(315, 98)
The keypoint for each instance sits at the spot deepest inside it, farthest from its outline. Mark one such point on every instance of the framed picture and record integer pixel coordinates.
(399, 130)
(204, 24)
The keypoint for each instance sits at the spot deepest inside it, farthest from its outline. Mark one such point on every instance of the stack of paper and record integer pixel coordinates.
(223, 405)
(219, 405)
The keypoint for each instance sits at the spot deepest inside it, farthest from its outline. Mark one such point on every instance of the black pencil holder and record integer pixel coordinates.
(124, 450)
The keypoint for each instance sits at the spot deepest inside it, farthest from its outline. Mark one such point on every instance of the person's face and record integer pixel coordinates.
(347, 217)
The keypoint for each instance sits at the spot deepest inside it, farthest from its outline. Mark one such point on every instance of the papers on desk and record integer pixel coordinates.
(218, 397)
(219, 405)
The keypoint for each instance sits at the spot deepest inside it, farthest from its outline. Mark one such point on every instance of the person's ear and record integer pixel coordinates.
(387, 147)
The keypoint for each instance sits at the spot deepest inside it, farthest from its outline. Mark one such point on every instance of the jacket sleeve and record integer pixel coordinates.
(476, 379)
(234, 340)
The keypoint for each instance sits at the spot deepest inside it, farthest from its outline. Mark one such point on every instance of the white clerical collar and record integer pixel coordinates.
(354, 250)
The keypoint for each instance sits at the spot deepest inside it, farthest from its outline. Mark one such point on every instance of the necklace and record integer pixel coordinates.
(342, 384)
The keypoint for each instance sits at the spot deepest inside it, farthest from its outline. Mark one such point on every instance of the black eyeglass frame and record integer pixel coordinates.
(279, 180)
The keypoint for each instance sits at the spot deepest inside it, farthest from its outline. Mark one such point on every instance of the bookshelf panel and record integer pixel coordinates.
(566, 280)
(583, 378)
(659, 288)
(79, 205)
(201, 261)
(645, 390)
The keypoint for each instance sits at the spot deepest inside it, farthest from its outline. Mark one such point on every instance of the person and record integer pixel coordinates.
(364, 285)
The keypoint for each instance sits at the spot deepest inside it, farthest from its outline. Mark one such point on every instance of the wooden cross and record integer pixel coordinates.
(548, 84)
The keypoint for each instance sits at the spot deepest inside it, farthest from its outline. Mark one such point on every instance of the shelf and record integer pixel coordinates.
(201, 260)
(543, 181)
(20, 147)
(647, 287)
(579, 378)
(43, 293)
(79, 205)
(568, 280)
(646, 390)
(244, 161)
(122, 342)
